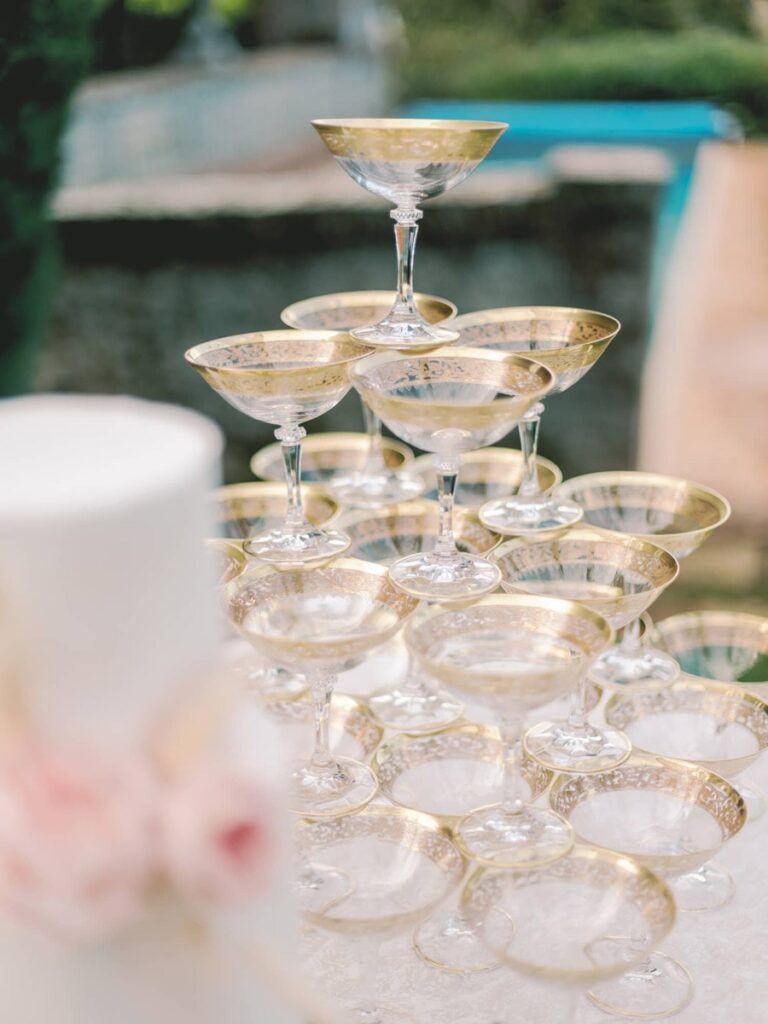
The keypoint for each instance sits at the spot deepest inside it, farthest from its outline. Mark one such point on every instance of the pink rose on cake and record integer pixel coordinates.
(77, 837)
(217, 837)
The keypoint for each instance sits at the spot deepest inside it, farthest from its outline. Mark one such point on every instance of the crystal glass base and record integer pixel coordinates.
(414, 711)
(342, 787)
(370, 490)
(752, 797)
(658, 987)
(404, 332)
(303, 545)
(564, 748)
(529, 838)
(434, 577)
(445, 940)
(536, 514)
(707, 888)
(647, 669)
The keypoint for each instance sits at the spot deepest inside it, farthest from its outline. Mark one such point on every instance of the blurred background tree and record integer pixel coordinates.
(589, 49)
(44, 49)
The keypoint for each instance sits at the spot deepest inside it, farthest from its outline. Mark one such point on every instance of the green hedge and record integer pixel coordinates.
(725, 68)
(43, 53)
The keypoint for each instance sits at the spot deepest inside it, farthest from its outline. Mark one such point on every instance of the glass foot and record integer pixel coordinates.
(647, 669)
(752, 797)
(321, 887)
(707, 888)
(370, 490)
(535, 514)
(414, 711)
(343, 786)
(377, 1014)
(305, 545)
(445, 940)
(434, 577)
(658, 987)
(404, 332)
(566, 748)
(529, 838)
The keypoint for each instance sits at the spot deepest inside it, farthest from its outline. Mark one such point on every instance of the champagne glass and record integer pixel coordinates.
(618, 577)
(318, 622)
(448, 402)
(284, 378)
(383, 536)
(375, 484)
(727, 647)
(674, 513)
(510, 654)
(568, 342)
(407, 161)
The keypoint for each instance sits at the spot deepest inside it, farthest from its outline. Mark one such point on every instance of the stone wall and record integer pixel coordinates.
(136, 292)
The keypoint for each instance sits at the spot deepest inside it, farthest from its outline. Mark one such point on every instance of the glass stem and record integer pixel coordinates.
(412, 683)
(528, 428)
(630, 638)
(577, 716)
(374, 463)
(447, 468)
(290, 439)
(406, 229)
(321, 684)
(513, 793)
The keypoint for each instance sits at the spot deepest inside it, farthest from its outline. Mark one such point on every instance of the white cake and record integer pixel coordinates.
(109, 637)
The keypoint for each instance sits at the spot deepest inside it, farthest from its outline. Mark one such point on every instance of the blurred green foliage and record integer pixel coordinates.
(589, 49)
(44, 50)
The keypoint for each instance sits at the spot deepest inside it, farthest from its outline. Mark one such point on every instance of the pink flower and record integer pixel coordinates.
(218, 841)
(76, 837)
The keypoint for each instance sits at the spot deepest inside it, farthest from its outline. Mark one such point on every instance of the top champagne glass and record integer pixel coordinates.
(407, 161)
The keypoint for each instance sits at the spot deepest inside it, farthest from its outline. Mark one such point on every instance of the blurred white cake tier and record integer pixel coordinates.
(108, 643)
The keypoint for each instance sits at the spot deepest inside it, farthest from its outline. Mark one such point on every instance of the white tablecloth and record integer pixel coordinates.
(725, 950)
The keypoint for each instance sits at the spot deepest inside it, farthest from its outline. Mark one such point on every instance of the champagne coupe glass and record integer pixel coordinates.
(676, 514)
(726, 647)
(284, 378)
(670, 817)
(375, 484)
(568, 342)
(383, 536)
(448, 402)
(618, 577)
(560, 922)
(407, 161)
(318, 622)
(510, 654)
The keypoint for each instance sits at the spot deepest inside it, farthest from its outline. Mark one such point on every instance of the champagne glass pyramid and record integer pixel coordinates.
(618, 577)
(318, 622)
(677, 515)
(449, 401)
(284, 378)
(374, 484)
(568, 342)
(407, 161)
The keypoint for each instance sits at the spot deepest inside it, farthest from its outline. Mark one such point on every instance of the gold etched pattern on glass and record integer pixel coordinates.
(343, 311)
(721, 646)
(721, 728)
(399, 863)
(229, 557)
(396, 531)
(670, 816)
(547, 921)
(248, 508)
(489, 473)
(326, 455)
(451, 773)
(417, 140)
